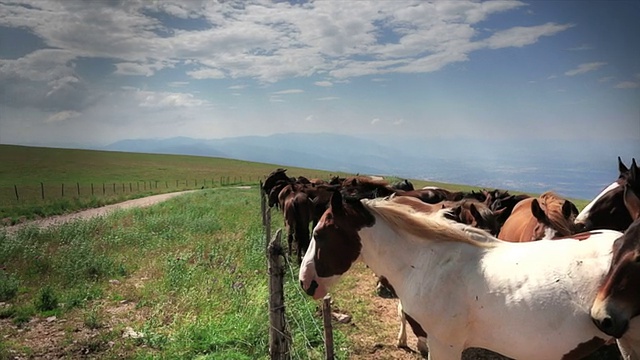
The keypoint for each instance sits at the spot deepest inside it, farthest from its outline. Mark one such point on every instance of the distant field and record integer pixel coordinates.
(36, 181)
(74, 179)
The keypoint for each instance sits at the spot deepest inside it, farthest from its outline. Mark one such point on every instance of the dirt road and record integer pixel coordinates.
(90, 213)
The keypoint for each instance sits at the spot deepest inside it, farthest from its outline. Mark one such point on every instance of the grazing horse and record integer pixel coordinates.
(463, 287)
(607, 210)
(273, 178)
(297, 209)
(405, 185)
(546, 217)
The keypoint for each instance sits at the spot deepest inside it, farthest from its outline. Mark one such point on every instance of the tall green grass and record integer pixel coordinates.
(194, 266)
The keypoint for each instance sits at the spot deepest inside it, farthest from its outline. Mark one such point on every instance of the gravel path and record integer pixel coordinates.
(101, 211)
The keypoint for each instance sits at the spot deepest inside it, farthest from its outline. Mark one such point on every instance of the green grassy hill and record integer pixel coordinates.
(39, 182)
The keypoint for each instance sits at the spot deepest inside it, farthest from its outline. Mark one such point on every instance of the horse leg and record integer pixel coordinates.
(442, 351)
(290, 242)
(402, 334)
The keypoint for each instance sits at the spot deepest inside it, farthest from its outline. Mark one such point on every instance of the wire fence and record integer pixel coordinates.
(20, 194)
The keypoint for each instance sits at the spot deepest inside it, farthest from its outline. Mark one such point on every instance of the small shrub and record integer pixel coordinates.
(46, 299)
(92, 320)
(8, 286)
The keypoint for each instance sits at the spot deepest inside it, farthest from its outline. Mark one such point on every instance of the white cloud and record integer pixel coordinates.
(153, 99)
(309, 118)
(520, 36)
(62, 116)
(627, 85)
(606, 79)
(328, 98)
(398, 122)
(585, 68)
(272, 41)
(581, 48)
(323, 83)
(289, 91)
(375, 121)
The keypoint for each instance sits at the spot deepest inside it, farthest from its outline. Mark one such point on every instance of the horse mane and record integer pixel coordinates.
(404, 218)
(552, 204)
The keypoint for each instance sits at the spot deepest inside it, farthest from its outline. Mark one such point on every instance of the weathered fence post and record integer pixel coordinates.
(42, 190)
(328, 328)
(78, 186)
(279, 337)
(62, 191)
(15, 187)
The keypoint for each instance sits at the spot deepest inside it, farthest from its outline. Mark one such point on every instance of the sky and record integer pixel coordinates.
(89, 73)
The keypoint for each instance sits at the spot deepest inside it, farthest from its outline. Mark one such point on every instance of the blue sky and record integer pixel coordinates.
(88, 73)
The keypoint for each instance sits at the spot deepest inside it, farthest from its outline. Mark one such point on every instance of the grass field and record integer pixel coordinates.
(74, 179)
(40, 182)
(183, 279)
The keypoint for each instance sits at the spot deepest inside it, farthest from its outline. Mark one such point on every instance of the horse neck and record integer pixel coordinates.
(397, 256)
(584, 214)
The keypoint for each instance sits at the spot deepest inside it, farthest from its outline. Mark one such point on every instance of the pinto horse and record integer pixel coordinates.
(463, 287)
(546, 217)
(607, 210)
(618, 301)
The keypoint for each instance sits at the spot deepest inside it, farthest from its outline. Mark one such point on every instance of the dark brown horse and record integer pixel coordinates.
(297, 210)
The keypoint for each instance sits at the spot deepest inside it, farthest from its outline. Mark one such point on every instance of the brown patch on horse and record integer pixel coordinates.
(584, 349)
(580, 236)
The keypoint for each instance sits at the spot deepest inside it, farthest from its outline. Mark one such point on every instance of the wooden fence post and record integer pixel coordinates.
(279, 337)
(328, 328)
(42, 190)
(15, 187)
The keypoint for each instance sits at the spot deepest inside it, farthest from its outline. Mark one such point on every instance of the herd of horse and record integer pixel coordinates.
(527, 277)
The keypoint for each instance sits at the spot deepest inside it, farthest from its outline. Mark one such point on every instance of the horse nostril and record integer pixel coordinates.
(312, 288)
(606, 323)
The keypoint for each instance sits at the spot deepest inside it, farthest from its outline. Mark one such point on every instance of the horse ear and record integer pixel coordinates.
(476, 214)
(568, 209)
(538, 212)
(621, 167)
(336, 201)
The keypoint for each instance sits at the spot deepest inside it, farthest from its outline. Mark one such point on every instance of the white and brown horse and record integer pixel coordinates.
(608, 210)
(463, 287)
(617, 302)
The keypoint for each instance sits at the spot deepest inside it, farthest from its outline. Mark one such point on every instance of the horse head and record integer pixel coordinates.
(618, 299)
(555, 215)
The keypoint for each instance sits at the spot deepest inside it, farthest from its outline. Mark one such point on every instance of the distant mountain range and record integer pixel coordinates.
(571, 168)
(318, 151)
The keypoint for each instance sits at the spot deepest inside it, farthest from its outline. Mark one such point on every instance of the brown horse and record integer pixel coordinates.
(297, 209)
(546, 217)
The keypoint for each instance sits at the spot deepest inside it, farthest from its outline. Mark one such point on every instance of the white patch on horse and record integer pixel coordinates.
(584, 214)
